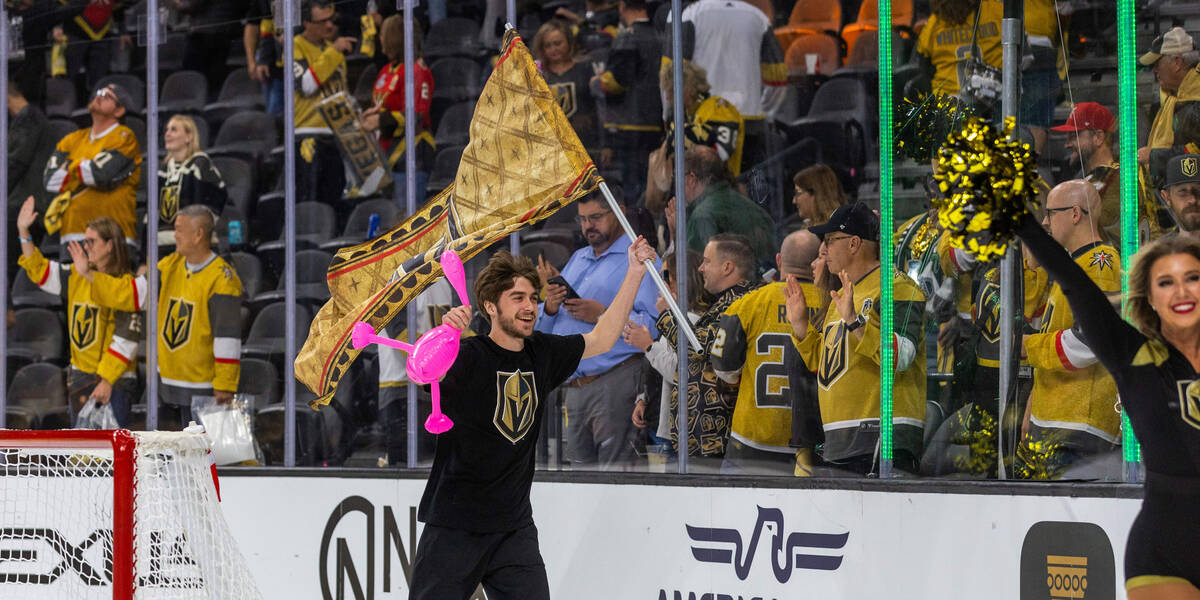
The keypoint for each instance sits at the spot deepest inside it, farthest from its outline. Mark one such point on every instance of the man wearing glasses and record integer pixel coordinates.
(320, 70)
(94, 172)
(843, 349)
(1071, 405)
(600, 394)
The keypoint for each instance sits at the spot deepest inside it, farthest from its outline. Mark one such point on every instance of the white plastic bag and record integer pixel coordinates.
(228, 427)
(94, 415)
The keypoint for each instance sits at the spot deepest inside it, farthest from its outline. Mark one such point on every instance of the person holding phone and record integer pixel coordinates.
(600, 394)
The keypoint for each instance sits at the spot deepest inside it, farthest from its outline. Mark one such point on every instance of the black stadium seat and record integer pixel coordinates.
(247, 135)
(25, 293)
(445, 167)
(456, 79)
(311, 285)
(358, 223)
(315, 224)
(452, 37)
(250, 270)
(238, 93)
(239, 181)
(260, 379)
(38, 335)
(58, 129)
(60, 98)
(37, 398)
(454, 127)
(183, 92)
(266, 337)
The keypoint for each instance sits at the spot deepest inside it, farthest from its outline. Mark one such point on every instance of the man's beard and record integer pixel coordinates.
(599, 241)
(508, 325)
(1189, 220)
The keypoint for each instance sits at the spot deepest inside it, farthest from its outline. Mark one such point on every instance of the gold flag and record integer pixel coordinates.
(523, 163)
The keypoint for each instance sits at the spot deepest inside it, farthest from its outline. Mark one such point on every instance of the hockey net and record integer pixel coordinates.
(114, 514)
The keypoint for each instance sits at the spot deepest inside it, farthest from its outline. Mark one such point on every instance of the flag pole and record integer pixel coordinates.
(684, 325)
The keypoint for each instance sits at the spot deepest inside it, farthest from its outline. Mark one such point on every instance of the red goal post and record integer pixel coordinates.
(113, 514)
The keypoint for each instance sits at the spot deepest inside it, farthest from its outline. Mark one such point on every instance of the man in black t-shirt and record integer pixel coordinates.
(478, 519)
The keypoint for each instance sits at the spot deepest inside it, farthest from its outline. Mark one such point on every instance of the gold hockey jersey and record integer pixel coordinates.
(103, 341)
(102, 176)
(199, 320)
(320, 72)
(1071, 390)
(847, 370)
(948, 46)
(751, 338)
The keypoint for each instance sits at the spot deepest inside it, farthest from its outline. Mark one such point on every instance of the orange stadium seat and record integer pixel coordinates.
(824, 46)
(810, 16)
(868, 19)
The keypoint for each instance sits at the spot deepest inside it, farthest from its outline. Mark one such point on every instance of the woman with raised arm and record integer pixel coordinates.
(1155, 362)
(103, 341)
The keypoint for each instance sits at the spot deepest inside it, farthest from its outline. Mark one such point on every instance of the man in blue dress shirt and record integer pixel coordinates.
(600, 394)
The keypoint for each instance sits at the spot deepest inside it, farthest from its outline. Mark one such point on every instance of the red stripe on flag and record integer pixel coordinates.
(45, 276)
(118, 356)
(228, 361)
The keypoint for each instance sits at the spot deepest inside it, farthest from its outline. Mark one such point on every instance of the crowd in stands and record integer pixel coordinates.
(783, 282)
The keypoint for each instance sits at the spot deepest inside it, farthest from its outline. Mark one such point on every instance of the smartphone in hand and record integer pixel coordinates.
(558, 280)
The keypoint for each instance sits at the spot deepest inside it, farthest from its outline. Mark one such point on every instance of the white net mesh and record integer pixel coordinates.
(56, 515)
(56, 521)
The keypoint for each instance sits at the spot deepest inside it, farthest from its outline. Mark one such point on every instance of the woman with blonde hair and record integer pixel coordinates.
(187, 176)
(818, 193)
(1155, 361)
(557, 53)
(103, 341)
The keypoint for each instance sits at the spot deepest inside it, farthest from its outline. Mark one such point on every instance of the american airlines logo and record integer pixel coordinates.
(787, 550)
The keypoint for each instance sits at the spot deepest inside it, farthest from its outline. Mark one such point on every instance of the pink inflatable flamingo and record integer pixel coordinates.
(434, 352)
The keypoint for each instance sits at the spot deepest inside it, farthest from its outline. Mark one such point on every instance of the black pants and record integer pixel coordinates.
(451, 563)
(320, 176)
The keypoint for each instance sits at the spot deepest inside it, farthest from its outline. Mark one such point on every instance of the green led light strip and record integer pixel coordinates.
(1127, 107)
(886, 250)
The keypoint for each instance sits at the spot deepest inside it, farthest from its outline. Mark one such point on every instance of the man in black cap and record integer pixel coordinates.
(1173, 56)
(844, 349)
(1181, 192)
(94, 172)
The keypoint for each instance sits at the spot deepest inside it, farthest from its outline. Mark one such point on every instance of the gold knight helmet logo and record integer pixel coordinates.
(516, 404)
(1189, 402)
(83, 325)
(177, 323)
(1189, 166)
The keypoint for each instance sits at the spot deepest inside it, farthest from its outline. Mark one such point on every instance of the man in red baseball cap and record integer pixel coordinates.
(1091, 130)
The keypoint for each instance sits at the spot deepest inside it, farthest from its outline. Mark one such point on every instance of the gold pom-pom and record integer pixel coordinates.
(988, 183)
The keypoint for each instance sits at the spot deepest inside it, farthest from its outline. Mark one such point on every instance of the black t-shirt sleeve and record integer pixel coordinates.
(1114, 341)
(562, 355)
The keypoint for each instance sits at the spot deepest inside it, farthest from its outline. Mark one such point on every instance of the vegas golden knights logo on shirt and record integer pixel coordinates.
(168, 204)
(989, 312)
(833, 355)
(1189, 402)
(516, 404)
(177, 326)
(564, 94)
(83, 325)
